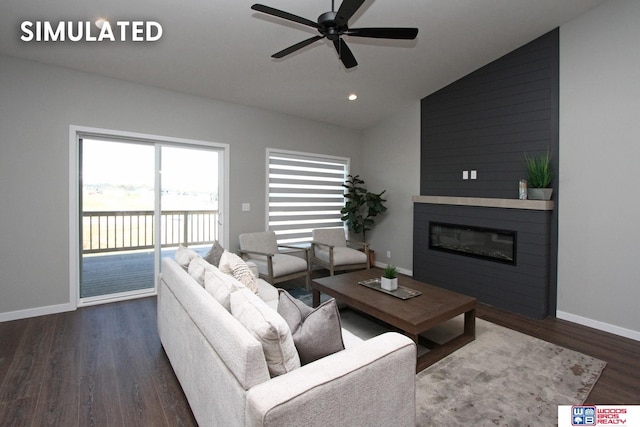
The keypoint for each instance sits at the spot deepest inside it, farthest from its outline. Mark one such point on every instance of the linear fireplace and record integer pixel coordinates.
(479, 242)
(519, 285)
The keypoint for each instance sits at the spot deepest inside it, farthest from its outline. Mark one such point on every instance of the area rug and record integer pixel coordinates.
(504, 378)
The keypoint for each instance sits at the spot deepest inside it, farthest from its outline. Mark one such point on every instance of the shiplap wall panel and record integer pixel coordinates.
(486, 122)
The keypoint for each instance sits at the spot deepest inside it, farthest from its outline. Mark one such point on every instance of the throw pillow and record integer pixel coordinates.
(221, 286)
(316, 332)
(235, 266)
(184, 256)
(197, 268)
(269, 328)
(214, 254)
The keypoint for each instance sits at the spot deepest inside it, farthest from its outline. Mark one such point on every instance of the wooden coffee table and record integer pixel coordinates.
(412, 316)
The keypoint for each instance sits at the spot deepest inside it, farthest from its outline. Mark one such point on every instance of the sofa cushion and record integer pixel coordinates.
(316, 332)
(184, 256)
(221, 286)
(232, 264)
(214, 254)
(269, 328)
(268, 293)
(197, 268)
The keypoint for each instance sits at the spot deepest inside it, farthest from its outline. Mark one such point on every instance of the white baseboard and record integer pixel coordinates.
(123, 296)
(596, 324)
(34, 312)
(400, 269)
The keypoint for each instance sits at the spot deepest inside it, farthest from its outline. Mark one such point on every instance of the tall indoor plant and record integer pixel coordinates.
(539, 176)
(361, 206)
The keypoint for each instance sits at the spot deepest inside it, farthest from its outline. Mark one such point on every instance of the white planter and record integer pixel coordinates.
(539, 193)
(389, 284)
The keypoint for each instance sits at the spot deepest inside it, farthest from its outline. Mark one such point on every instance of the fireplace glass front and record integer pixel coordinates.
(487, 243)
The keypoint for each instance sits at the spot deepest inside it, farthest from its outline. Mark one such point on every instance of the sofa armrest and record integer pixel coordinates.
(370, 384)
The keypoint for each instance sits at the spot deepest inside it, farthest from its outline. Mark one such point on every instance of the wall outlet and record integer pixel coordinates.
(474, 174)
(465, 174)
(246, 207)
(388, 254)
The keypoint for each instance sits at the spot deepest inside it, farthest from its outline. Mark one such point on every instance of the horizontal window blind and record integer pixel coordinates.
(305, 192)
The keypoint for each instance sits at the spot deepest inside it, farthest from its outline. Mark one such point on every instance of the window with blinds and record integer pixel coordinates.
(304, 192)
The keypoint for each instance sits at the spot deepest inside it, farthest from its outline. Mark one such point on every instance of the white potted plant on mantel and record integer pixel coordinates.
(539, 176)
(389, 280)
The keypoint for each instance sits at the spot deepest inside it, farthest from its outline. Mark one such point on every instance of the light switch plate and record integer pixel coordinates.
(246, 207)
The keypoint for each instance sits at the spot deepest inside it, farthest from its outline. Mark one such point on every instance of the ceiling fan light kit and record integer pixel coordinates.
(333, 26)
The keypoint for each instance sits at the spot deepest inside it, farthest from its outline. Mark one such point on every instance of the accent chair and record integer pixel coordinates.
(331, 250)
(262, 249)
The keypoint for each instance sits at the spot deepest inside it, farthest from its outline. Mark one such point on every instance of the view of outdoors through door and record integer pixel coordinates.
(121, 232)
(189, 199)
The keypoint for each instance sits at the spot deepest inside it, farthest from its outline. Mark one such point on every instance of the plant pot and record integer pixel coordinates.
(389, 284)
(539, 193)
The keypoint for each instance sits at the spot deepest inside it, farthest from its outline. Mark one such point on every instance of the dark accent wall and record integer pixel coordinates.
(486, 122)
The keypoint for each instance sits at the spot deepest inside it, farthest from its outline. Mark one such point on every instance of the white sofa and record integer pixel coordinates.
(224, 375)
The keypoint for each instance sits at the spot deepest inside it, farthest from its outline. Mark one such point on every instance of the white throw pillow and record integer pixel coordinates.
(184, 256)
(232, 264)
(197, 268)
(269, 328)
(221, 286)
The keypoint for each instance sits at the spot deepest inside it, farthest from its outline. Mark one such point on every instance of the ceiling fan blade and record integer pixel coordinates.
(383, 33)
(346, 11)
(284, 15)
(345, 54)
(295, 47)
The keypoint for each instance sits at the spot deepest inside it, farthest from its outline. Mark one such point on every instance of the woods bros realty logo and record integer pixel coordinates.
(86, 31)
(598, 415)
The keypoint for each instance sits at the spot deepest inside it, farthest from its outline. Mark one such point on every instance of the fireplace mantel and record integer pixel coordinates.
(538, 205)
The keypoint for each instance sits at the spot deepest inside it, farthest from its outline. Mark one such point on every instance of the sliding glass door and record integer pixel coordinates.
(189, 199)
(139, 200)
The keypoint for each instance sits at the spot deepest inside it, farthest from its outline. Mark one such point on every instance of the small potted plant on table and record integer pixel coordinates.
(389, 280)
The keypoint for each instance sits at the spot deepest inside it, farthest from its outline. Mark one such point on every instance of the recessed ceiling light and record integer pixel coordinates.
(353, 97)
(100, 22)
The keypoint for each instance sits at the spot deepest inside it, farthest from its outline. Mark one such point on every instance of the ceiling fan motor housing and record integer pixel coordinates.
(328, 26)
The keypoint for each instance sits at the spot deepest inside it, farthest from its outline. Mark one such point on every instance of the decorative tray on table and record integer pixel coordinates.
(402, 292)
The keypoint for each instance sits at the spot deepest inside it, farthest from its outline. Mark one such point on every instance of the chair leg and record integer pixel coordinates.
(308, 281)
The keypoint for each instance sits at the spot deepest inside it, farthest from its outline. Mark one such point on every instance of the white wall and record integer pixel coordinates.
(391, 161)
(599, 212)
(37, 105)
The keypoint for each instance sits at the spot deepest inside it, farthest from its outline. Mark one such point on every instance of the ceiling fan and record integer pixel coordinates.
(333, 25)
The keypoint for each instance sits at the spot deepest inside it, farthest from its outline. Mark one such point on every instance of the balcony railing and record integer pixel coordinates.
(113, 231)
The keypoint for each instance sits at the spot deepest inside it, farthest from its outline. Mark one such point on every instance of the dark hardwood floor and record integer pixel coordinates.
(97, 366)
(104, 366)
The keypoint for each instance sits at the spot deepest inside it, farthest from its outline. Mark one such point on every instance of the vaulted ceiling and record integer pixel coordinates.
(221, 49)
